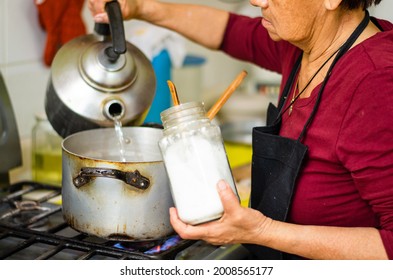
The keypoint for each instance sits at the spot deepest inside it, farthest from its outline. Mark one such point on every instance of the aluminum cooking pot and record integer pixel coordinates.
(106, 197)
(98, 78)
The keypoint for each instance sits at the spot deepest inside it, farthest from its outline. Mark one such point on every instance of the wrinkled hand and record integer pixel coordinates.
(129, 8)
(237, 225)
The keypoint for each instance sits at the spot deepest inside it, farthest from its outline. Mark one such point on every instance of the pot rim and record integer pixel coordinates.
(65, 143)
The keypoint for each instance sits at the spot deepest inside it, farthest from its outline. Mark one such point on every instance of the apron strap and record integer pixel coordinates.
(345, 47)
(274, 113)
(290, 82)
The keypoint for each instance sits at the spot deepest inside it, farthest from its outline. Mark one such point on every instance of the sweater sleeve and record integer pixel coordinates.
(365, 147)
(246, 39)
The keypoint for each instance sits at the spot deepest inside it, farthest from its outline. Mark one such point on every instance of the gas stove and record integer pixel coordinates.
(32, 227)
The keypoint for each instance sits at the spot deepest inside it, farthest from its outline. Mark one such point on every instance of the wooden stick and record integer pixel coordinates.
(227, 93)
(173, 91)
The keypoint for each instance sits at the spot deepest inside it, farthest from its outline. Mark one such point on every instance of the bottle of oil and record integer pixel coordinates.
(46, 152)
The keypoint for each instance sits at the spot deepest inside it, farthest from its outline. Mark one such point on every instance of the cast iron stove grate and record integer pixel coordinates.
(32, 227)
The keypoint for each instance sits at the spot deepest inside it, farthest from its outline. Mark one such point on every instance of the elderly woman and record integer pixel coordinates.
(322, 170)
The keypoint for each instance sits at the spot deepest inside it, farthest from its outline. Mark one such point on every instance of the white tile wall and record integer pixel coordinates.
(21, 51)
(384, 10)
(24, 37)
(2, 33)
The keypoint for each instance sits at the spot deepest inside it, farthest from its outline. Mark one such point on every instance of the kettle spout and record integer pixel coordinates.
(114, 109)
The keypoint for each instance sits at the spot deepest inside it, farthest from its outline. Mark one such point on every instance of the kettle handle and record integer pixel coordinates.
(116, 28)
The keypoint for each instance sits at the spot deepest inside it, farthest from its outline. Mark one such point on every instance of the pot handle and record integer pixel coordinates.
(134, 179)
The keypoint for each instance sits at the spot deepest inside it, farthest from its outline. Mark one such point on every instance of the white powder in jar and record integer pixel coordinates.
(195, 165)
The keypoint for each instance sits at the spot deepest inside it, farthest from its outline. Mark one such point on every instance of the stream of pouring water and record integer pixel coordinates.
(120, 137)
(130, 153)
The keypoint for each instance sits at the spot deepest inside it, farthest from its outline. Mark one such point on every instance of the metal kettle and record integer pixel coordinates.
(99, 78)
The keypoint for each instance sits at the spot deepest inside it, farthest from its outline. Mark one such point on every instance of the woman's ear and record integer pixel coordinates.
(332, 4)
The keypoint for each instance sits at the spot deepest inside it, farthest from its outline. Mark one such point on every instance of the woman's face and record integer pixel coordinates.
(291, 20)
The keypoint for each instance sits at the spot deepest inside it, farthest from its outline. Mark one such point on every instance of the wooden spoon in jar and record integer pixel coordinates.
(227, 93)
(173, 91)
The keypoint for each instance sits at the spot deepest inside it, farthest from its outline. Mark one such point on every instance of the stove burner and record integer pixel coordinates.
(136, 246)
(169, 243)
(150, 247)
(28, 205)
(26, 213)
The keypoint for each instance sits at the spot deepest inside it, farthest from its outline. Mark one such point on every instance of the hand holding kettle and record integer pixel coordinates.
(98, 78)
(201, 24)
(130, 9)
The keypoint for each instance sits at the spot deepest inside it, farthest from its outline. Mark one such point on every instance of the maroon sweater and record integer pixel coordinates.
(347, 179)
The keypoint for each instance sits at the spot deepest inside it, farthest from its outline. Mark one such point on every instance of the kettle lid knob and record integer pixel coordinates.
(109, 67)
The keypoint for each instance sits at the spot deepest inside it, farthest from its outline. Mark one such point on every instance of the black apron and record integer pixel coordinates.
(276, 160)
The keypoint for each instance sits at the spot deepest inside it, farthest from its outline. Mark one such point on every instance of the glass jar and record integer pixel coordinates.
(46, 152)
(195, 160)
